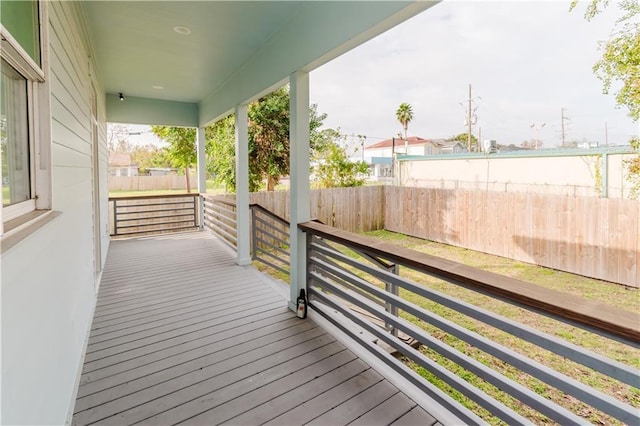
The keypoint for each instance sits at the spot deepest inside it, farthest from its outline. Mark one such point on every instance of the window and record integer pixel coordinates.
(14, 137)
(25, 149)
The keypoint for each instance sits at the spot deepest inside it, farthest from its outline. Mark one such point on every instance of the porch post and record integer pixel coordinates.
(202, 173)
(242, 185)
(299, 176)
(202, 168)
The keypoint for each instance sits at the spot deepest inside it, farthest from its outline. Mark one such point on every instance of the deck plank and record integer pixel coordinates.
(417, 416)
(183, 334)
(387, 412)
(291, 399)
(357, 405)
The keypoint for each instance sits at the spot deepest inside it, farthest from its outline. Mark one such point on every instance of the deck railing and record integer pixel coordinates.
(354, 279)
(219, 216)
(337, 281)
(153, 214)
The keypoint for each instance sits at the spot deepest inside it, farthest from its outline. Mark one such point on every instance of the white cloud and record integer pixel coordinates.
(527, 60)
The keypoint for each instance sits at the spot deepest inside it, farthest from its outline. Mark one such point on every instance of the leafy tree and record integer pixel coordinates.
(221, 154)
(463, 137)
(620, 61)
(269, 146)
(149, 156)
(332, 166)
(620, 64)
(269, 139)
(404, 114)
(268, 142)
(182, 147)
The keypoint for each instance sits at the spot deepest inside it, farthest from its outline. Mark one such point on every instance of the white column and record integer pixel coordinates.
(242, 185)
(202, 172)
(299, 174)
(202, 167)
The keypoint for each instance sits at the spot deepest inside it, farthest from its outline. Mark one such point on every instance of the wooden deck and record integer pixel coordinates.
(181, 334)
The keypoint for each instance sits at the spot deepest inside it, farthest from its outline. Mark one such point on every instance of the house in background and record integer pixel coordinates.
(380, 155)
(67, 69)
(120, 164)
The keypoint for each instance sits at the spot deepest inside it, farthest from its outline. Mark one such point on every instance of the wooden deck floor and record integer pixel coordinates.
(181, 334)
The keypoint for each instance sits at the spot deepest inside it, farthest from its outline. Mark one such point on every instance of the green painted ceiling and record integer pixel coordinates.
(235, 49)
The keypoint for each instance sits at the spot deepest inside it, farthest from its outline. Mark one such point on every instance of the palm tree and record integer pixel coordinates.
(404, 114)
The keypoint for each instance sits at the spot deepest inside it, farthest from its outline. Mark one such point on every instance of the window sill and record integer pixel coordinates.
(21, 227)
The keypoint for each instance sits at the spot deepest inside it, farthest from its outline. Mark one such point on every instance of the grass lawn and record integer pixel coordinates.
(212, 189)
(616, 295)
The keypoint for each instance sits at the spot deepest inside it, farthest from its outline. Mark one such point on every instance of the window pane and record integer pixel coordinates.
(14, 137)
(21, 19)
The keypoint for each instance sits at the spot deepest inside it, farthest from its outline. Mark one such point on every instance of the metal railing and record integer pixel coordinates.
(153, 214)
(219, 216)
(270, 239)
(337, 280)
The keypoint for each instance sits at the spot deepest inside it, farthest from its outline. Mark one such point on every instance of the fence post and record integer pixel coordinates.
(392, 309)
(115, 217)
(254, 231)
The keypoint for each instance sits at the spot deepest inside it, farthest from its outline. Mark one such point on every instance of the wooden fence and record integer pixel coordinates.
(595, 237)
(352, 209)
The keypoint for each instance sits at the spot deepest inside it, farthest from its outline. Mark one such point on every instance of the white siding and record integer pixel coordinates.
(48, 279)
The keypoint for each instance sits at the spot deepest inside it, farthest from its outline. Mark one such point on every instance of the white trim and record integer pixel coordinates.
(38, 117)
(16, 210)
(42, 116)
(18, 58)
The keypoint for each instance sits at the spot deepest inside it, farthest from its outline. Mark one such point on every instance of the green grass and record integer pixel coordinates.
(613, 294)
(212, 189)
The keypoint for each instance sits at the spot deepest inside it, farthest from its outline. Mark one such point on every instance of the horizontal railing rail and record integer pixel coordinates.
(270, 239)
(151, 214)
(219, 216)
(337, 280)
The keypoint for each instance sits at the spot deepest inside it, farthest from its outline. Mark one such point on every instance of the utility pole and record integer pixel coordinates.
(479, 138)
(469, 120)
(562, 120)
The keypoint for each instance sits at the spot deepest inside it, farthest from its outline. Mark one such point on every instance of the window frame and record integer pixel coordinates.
(39, 125)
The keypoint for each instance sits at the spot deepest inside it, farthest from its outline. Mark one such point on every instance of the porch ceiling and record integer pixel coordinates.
(235, 51)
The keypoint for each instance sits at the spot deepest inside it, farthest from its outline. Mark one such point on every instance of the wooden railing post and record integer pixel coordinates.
(254, 232)
(115, 217)
(389, 307)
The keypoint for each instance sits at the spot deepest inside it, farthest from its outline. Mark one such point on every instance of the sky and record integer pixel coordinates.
(525, 60)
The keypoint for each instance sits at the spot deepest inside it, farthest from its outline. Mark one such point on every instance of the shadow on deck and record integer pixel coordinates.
(181, 334)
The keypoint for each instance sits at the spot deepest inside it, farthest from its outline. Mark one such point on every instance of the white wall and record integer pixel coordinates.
(570, 175)
(48, 279)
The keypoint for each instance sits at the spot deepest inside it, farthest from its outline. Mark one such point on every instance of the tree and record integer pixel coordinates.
(149, 156)
(404, 114)
(268, 142)
(117, 138)
(620, 61)
(221, 153)
(620, 64)
(332, 166)
(463, 137)
(182, 147)
(269, 138)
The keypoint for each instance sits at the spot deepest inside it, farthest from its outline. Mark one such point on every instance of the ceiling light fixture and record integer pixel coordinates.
(121, 96)
(182, 30)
